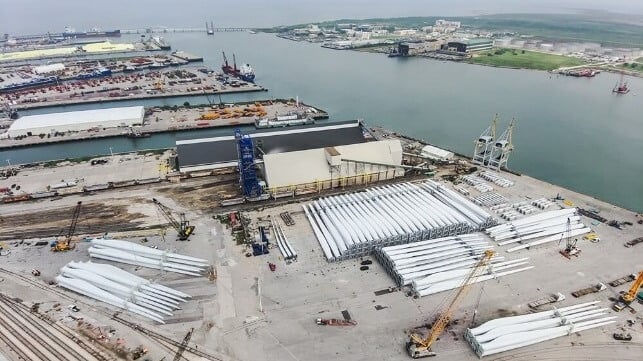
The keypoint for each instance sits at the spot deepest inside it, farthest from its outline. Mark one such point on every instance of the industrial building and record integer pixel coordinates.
(329, 167)
(469, 46)
(220, 152)
(436, 153)
(76, 121)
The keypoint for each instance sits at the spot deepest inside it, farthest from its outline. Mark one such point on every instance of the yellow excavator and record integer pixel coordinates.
(628, 297)
(419, 346)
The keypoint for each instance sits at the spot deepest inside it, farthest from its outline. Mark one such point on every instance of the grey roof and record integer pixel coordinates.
(198, 152)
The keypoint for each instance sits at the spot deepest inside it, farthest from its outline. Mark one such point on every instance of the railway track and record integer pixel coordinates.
(55, 339)
(165, 341)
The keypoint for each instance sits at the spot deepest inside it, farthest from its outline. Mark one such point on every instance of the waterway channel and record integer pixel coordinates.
(570, 131)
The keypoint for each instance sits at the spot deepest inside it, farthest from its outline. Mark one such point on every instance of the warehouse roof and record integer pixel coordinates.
(313, 165)
(432, 152)
(80, 117)
(206, 153)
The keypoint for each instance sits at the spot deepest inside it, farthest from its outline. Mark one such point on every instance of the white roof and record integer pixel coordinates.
(436, 153)
(126, 114)
(312, 164)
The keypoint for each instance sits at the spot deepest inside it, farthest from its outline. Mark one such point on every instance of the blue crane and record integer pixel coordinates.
(247, 172)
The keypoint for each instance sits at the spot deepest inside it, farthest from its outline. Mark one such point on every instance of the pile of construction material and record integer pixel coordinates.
(542, 203)
(286, 249)
(136, 254)
(511, 212)
(442, 264)
(492, 177)
(546, 227)
(508, 333)
(354, 225)
(490, 199)
(477, 183)
(122, 289)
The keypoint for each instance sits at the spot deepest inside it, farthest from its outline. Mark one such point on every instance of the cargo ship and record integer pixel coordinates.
(245, 73)
(93, 33)
(161, 43)
(31, 83)
(290, 119)
(621, 87)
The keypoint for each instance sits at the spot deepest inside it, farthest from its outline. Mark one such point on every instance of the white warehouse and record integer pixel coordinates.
(76, 121)
(330, 167)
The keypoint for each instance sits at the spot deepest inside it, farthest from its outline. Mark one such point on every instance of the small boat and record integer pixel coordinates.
(621, 87)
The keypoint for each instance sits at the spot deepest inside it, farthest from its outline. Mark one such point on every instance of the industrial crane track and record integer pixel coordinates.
(155, 335)
(25, 313)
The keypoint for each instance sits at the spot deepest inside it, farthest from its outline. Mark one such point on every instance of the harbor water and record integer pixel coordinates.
(570, 131)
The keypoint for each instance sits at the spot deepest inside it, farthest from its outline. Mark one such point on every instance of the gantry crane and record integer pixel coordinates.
(418, 346)
(182, 226)
(629, 296)
(63, 243)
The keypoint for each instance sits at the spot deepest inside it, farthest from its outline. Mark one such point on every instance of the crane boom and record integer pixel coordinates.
(184, 343)
(630, 295)
(64, 243)
(421, 347)
(183, 228)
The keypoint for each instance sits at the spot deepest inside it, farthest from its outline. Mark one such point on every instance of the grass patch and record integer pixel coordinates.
(524, 59)
(639, 60)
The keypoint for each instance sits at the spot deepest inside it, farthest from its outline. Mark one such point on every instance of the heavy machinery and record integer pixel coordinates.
(247, 171)
(570, 246)
(628, 297)
(182, 226)
(334, 322)
(586, 291)
(64, 243)
(418, 346)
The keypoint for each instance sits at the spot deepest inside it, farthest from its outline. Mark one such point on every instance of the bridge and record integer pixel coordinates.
(164, 30)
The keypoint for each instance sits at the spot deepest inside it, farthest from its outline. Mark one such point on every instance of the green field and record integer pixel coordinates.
(524, 59)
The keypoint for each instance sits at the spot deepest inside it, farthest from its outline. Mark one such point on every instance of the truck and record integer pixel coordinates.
(585, 291)
(557, 297)
(634, 242)
(623, 280)
(334, 322)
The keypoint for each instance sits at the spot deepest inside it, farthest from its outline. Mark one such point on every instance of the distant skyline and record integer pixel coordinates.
(31, 16)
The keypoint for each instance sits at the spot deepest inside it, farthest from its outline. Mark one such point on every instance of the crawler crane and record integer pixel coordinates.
(418, 346)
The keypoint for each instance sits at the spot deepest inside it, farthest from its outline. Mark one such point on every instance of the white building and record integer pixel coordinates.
(334, 166)
(447, 24)
(405, 32)
(76, 121)
(436, 153)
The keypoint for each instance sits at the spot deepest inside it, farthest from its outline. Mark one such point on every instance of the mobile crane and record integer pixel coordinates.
(63, 243)
(628, 297)
(182, 226)
(419, 347)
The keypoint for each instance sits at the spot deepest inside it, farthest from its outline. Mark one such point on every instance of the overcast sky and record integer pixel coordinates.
(28, 16)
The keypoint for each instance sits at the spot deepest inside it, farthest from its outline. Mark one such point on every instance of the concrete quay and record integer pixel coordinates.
(181, 118)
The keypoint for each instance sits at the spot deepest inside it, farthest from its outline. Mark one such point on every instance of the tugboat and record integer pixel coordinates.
(621, 87)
